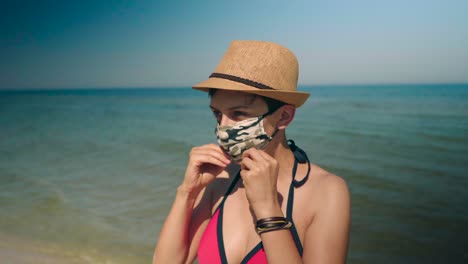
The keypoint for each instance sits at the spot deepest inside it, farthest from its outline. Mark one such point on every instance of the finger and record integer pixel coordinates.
(254, 154)
(200, 160)
(218, 148)
(262, 155)
(247, 163)
(212, 152)
(245, 172)
(204, 159)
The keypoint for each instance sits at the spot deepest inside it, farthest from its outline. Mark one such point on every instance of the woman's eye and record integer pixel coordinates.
(216, 113)
(239, 114)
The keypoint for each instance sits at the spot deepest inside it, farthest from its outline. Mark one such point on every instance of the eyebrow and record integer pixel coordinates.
(232, 107)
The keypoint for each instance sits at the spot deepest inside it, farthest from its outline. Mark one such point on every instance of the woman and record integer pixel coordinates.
(255, 197)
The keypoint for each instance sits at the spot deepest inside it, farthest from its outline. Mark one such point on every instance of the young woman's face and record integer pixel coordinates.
(229, 107)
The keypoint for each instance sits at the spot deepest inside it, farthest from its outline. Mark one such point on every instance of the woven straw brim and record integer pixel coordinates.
(290, 97)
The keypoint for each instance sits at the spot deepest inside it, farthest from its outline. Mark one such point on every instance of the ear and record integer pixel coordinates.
(286, 116)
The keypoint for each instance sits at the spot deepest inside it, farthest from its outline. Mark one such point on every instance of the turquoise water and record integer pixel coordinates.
(93, 172)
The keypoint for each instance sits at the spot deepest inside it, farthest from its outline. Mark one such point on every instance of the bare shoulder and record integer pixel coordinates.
(327, 181)
(323, 216)
(327, 190)
(329, 185)
(330, 189)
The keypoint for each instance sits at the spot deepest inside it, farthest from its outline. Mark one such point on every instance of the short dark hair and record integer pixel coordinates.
(272, 104)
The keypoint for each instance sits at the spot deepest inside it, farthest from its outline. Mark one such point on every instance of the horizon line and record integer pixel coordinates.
(189, 86)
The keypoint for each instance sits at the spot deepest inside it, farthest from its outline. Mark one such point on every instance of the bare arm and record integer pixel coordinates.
(326, 239)
(174, 240)
(189, 215)
(259, 173)
(279, 245)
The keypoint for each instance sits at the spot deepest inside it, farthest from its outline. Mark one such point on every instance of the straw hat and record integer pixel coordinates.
(258, 67)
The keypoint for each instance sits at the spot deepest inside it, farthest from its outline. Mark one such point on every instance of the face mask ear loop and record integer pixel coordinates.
(270, 138)
(273, 135)
(269, 112)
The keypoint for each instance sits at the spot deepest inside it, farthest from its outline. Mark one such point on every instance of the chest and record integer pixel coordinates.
(238, 223)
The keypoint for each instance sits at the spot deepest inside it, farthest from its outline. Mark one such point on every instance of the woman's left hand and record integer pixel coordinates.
(259, 172)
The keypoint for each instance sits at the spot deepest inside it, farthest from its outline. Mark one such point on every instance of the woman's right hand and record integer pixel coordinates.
(205, 163)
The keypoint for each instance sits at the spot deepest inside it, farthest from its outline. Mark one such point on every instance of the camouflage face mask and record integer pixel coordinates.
(239, 137)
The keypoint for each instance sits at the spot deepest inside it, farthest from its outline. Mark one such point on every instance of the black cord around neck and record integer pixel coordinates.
(299, 157)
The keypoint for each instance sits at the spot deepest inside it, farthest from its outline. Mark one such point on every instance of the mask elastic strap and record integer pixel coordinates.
(267, 114)
(269, 138)
(274, 134)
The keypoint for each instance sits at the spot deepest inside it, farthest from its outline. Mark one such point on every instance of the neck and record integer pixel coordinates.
(279, 149)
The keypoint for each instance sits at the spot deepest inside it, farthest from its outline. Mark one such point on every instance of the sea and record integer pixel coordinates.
(90, 174)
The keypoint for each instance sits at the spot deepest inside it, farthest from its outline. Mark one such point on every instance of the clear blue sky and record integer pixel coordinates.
(83, 44)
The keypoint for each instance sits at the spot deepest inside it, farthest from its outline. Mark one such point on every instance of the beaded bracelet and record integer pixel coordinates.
(272, 224)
